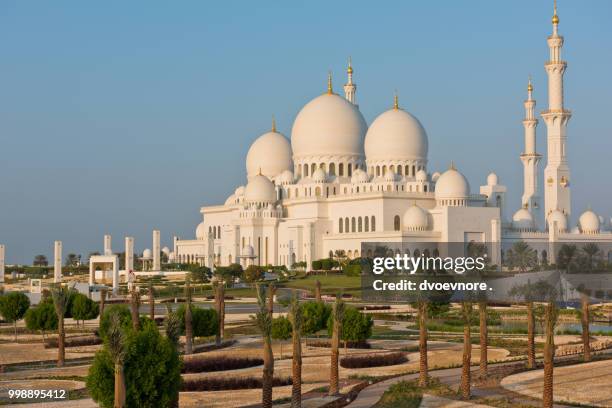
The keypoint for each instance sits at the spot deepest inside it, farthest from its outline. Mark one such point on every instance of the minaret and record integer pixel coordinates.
(531, 159)
(556, 173)
(350, 88)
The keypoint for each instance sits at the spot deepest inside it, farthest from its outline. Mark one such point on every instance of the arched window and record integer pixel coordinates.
(341, 169)
(413, 170)
(396, 223)
(305, 170)
(318, 191)
(332, 169)
(340, 226)
(367, 224)
(384, 170)
(392, 168)
(373, 223)
(399, 170)
(322, 165)
(350, 169)
(389, 187)
(349, 254)
(406, 170)
(377, 171)
(346, 225)
(353, 224)
(359, 225)
(218, 232)
(288, 193)
(313, 167)
(425, 188)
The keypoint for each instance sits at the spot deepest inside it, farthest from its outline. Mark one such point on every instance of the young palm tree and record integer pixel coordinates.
(188, 319)
(482, 311)
(151, 301)
(134, 306)
(102, 301)
(467, 350)
(592, 254)
(116, 348)
(423, 363)
(263, 320)
(585, 320)
(172, 325)
(567, 257)
(317, 290)
(296, 318)
(549, 354)
(219, 289)
(60, 303)
(338, 315)
(531, 363)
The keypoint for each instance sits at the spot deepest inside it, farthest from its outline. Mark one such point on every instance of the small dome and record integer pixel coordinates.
(359, 176)
(328, 125)
(522, 220)
(239, 192)
(319, 176)
(286, 177)
(390, 176)
(396, 135)
(166, 251)
(558, 217)
(248, 251)
(421, 175)
(435, 176)
(492, 179)
(589, 222)
(147, 254)
(260, 190)
(201, 231)
(415, 219)
(230, 200)
(451, 185)
(269, 154)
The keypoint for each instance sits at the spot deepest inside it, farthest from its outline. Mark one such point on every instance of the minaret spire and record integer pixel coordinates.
(530, 158)
(350, 88)
(556, 117)
(330, 89)
(395, 101)
(273, 124)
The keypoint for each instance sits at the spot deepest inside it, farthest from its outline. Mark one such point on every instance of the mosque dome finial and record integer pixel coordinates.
(273, 124)
(349, 70)
(529, 85)
(555, 18)
(330, 89)
(395, 101)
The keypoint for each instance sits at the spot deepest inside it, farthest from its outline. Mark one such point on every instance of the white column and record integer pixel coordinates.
(129, 254)
(116, 275)
(1, 264)
(108, 248)
(156, 249)
(91, 273)
(57, 262)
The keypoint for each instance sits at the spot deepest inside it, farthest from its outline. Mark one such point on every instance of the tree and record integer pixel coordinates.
(567, 257)
(122, 311)
(199, 274)
(549, 348)
(263, 321)
(13, 307)
(151, 300)
(204, 322)
(42, 318)
(188, 319)
(521, 257)
(296, 319)
(527, 293)
(423, 363)
(356, 326)
(40, 260)
(281, 330)
(315, 316)
(151, 367)
(253, 273)
(117, 350)
(337, 316)
(466, 309)
(482, 312)
(219, 290)
(134, 308)
(61, 296)
(102, 301)
(585, 320)
(83, 308)
(72, 260)
(317, 290)
(592, 255)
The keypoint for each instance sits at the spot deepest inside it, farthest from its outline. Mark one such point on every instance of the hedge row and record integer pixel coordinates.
(230, 383)
(220, 363)
(373, 360)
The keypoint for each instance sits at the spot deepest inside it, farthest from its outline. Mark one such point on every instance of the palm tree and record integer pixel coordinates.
(60, 296)
(317, 290)
(296, 318)
(423, 363)
(482, 311)
(549, 354)
(263, 320)
(219, 290)
(116, 348)
(102, 301)
(567, 257)
(172, 325)
(134, 305)
(151, 301)
(467, 350)
(521, 257)
(40, 260)
(338, 315)
(592, 253)
(585, 320)
(188, 319)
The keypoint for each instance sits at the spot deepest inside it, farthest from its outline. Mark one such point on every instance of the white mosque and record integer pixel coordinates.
(340, 182)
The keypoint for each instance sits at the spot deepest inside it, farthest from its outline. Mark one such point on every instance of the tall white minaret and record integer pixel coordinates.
(556, 173)
(531, 159)
(350, 88)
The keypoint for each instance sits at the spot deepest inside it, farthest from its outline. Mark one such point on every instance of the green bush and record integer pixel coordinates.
(152, 370)
(253, 273)
(281, 328)
(326, 264)
(83, 308)
(42, 318)
(316, 265)
(352, 270)
(124, 316)
(315, 316)
(356, 326)
(204, 321)
(13, 307)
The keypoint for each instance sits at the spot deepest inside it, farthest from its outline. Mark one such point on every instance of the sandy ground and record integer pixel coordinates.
(21, 353)
(587, 384)
(432, 401)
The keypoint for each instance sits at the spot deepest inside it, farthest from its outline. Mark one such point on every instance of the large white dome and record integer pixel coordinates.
(415, 219)
(201, 231)
(328, 125)
(589, 222)
(270, 153)
(558, 217)
(396, 135)
(522, 220)
(260, 190)
(452, 184)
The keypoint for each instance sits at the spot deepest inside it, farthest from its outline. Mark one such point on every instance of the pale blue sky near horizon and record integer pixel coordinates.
(121, 117)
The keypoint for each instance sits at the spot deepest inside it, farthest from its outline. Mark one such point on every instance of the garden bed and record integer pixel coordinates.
(203, 348)
(231, 383)
(201, 364)
(74, 342)
(373, 360)
(350, 344)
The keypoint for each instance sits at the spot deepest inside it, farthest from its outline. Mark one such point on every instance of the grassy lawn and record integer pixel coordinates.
(330, 284)
(408, 394)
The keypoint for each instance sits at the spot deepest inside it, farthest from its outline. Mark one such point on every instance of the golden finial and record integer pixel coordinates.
(395, 101)
(330, 90)
(529, 85)
(259, 173)
(555, 19)
(273, 124)
(452, 166)
(349, 70)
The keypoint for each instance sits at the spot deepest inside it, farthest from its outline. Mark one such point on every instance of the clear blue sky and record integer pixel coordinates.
(120, 117)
